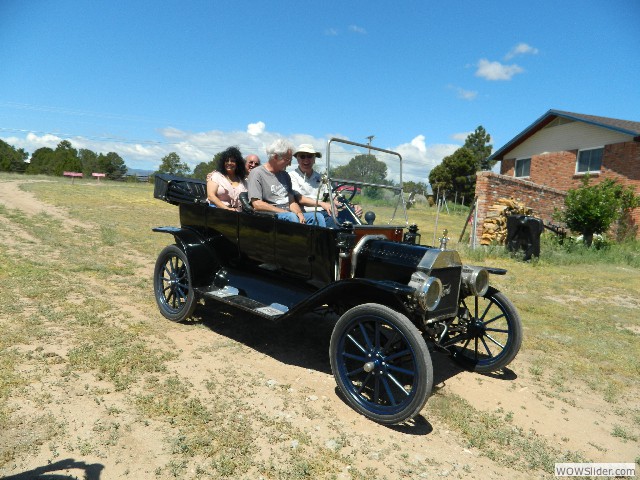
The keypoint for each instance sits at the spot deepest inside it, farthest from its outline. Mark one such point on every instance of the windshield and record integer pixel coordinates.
(367, 178)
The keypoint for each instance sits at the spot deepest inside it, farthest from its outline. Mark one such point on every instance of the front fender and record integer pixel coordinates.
(202, 258)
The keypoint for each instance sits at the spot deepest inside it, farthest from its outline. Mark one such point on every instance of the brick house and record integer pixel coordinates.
(552, 155)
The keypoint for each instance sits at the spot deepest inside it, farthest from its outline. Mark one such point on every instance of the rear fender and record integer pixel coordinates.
(202, 258)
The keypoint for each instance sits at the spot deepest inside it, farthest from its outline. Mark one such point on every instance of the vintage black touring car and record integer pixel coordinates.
(393, 297)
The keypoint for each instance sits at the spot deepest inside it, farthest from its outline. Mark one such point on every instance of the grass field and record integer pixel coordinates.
(76, 275)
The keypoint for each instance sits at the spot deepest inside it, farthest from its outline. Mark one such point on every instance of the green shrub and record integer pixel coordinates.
(592, 209)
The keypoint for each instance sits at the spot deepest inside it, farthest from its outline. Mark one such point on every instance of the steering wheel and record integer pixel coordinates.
(347, 213)
(347, 198)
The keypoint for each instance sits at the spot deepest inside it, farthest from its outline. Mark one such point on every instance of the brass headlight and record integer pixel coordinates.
(428, 290)
(475, 280)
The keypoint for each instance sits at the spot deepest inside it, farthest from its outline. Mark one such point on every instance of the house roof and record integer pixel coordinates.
(622, 126)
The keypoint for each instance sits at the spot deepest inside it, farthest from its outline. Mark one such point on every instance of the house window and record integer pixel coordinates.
(523, 167)
(590, 160)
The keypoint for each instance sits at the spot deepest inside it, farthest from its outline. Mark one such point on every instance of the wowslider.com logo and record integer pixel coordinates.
(595, 470)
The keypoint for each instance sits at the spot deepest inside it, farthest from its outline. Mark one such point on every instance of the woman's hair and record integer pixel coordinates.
(279, 147)
(232, 152)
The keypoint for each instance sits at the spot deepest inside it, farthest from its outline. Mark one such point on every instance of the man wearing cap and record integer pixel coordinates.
(307, 182)
(270, 190)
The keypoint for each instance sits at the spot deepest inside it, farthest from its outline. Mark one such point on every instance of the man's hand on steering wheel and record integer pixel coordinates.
(340, 202)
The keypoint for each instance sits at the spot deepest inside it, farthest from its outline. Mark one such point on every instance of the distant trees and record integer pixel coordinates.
(457, 172)
(113, 165)
(42, 162)
(12, 159)
(65, 158)
(478, 143)
(365, 168)
(172, 165)
(415, 187)
(204, 168)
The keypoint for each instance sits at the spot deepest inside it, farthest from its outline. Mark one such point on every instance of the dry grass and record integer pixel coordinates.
(68, 314)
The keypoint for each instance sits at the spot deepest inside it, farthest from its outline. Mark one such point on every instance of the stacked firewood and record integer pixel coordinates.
(494, 228)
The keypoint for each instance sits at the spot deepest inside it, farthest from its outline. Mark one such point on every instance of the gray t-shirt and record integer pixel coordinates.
(273, 188)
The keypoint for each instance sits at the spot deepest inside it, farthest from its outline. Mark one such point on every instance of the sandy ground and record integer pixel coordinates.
(582, 422)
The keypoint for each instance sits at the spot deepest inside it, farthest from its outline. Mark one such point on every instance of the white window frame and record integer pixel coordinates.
(578, 172)
(515, 167)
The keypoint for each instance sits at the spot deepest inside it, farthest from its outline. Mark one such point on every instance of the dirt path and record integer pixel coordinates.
(578, 421)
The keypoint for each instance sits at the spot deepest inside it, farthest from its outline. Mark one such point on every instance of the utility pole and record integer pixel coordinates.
(370, 137)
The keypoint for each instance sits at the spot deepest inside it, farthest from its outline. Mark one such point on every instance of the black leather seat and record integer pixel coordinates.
(245, 203)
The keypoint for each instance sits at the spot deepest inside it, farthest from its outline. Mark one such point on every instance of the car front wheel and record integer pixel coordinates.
(487, 333)
(172, 284)
(381, 363)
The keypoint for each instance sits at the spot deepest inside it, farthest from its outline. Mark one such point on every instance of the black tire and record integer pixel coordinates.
(381, 363)
(172, 284)
(489, 332)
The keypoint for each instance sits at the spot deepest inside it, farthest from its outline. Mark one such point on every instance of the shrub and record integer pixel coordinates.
(592, 209)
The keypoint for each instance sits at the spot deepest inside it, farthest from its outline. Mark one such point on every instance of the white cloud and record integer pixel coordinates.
(357, 29)
(331, 32)
(467, 94)
(419, 143)
(419, 158)
(496, 70)
(194, 147)
(47, 140)
(255, 128)
(460, 137)
(521, 49)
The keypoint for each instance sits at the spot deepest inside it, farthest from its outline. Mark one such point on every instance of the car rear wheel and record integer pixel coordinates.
(489, 332)
(172, 284)
(381, 363)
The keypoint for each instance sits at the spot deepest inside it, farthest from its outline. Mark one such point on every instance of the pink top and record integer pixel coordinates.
(227, 193)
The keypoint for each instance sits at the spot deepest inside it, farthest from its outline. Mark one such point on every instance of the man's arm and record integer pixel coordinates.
(295, 208)
(262, 206)
(311, 202)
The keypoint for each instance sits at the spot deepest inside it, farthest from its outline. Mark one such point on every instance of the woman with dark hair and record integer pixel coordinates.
(227, 181)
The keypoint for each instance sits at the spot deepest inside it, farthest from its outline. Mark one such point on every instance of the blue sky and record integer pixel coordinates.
(145, 78)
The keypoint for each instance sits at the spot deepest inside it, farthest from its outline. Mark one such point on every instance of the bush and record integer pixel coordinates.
(593, 209)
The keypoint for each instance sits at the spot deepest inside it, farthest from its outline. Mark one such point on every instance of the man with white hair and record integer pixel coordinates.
(270, 189)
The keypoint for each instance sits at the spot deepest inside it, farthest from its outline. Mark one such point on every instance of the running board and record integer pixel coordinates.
(231, 296)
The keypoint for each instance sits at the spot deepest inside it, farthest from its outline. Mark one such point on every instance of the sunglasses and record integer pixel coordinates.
(304, 156)
(253, 164)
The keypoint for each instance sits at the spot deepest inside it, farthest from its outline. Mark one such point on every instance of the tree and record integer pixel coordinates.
(89, 160)
(364, 168)
(415, 187)
(456, 173)
(171, 164)
(478, 143)
(12, 159)
(592, 209)
(112, 165)
(42, 162)
(65, 159)
(204, 168)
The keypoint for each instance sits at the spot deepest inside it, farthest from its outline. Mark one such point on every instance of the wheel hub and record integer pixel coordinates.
(477, 328)
(377, 363)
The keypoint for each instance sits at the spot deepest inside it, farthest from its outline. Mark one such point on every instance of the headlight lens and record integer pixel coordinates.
(428, 290)
(475, 280)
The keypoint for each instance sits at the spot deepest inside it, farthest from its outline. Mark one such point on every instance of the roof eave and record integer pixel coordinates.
(522, 136)
(544, 120)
